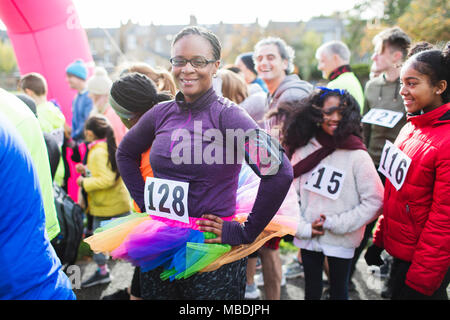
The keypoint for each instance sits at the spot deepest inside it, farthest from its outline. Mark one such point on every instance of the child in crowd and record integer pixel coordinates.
(107, 194)
(339, 189)
(98, 87)
(50, 117)
(415, 226)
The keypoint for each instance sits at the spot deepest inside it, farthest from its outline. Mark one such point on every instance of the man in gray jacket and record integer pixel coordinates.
(274, 63)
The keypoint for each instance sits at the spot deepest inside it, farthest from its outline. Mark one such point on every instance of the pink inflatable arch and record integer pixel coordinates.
(47, 36)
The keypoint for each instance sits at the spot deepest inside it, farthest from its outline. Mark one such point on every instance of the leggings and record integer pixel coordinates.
(339, 275)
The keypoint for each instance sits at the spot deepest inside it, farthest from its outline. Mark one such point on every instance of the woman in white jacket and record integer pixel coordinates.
(337, 183)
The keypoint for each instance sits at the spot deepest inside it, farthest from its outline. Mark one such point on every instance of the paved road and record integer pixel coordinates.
(367, 288)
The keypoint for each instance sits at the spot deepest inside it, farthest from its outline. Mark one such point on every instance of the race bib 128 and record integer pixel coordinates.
(166, 198)
(326, 181)
(394, 164)
(382, 117)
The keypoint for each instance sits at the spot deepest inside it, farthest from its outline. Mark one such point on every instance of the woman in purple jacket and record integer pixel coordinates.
(197, 140)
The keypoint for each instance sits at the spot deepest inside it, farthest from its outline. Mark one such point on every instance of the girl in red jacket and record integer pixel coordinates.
(415, 227)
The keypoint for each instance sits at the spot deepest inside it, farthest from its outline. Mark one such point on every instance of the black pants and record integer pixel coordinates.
(225, 283)
(339, 275)
(136, 283)
(399, 291)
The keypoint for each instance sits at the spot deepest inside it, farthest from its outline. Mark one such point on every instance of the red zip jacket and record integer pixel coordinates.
(415, 225)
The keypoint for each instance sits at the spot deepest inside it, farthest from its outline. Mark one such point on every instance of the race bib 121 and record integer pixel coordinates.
(166, 198)
(382, 117)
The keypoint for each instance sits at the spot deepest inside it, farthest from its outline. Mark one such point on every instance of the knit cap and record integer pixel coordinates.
(99, 83)
(78, 69)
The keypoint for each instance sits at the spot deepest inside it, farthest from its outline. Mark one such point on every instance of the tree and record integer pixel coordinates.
(422, 20)
(427, 20)
(243, 39)
(305, 55)
(393, 9)
(7, 58)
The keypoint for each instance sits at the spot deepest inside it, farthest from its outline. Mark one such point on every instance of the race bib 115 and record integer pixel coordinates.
(166, 198)
(394, 164)
(326, 181)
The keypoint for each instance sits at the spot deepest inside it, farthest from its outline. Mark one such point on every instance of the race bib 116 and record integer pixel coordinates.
(394, 164)
(166, 198)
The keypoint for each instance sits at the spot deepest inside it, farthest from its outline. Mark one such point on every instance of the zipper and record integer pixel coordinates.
(408, 213)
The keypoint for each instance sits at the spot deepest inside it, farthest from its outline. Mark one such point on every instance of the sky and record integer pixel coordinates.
(110, 13)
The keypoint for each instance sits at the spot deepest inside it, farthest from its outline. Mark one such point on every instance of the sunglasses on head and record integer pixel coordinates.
(330, 110)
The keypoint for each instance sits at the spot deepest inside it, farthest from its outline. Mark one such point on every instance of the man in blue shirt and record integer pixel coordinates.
(29, 267)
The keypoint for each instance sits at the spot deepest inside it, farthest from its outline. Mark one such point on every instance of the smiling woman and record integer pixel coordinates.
(415, 212)
(196, 59)
(202, 194)
(337, 183)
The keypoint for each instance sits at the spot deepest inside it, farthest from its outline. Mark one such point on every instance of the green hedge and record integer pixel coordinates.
(362, 71)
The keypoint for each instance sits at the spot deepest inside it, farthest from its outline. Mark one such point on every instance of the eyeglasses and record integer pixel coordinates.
(197, 62)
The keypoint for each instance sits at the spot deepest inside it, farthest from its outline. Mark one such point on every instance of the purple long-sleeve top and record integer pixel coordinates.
(212, 186)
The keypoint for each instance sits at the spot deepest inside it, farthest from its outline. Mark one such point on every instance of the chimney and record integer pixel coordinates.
(192, 20)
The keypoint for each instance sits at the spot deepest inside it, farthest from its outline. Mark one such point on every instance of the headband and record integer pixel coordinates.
(327, 91)
(121, 111)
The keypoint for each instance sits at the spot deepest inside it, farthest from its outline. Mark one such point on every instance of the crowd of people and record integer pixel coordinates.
(370, 167)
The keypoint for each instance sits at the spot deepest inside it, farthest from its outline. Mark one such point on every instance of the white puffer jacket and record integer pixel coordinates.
(359, 202)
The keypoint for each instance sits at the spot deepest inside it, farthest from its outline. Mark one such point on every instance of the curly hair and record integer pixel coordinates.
(305, 120)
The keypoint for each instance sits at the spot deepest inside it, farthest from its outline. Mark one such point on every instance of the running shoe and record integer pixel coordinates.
(252, 292)
(293, 270)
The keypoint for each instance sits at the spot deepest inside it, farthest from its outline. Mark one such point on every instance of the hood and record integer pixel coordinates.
(290, 82)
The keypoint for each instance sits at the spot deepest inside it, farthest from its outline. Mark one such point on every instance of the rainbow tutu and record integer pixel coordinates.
(151, 241)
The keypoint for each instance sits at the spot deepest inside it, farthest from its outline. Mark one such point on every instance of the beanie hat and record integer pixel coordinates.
(247, 59)
(99, 83)
(78, 69)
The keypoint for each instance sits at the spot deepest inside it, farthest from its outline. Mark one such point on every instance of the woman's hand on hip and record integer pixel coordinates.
(212, 224)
